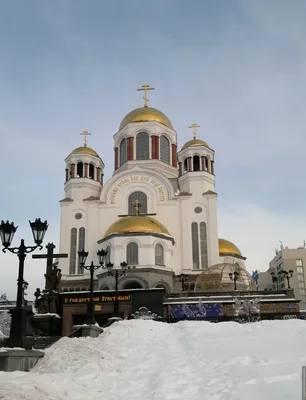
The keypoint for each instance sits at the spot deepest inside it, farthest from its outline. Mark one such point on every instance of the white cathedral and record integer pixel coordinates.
(157, 212)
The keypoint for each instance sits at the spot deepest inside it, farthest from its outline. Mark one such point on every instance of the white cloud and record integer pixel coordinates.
(257, 231)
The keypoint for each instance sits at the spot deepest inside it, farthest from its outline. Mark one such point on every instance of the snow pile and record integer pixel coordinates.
(147, 360)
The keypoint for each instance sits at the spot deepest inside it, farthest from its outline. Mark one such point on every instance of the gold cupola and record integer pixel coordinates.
(145, 113)
(227, 248)
(194, 142)
(85, 149)
(136, 224)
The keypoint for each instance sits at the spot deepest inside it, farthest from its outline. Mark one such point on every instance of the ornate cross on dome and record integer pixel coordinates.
(137, 207)
(85, 133)
(145, 87)
(194, 127)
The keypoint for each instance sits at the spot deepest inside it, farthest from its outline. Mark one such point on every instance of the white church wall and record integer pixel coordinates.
(82, 188)
(146, 250)
(69, 210)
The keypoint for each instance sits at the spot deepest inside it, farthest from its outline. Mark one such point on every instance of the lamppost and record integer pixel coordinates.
(183, 280)
(117, 273)
(287, 275)
(7, 231)
(275, 279)
(90, 317)
(234, 277)
(24, 288)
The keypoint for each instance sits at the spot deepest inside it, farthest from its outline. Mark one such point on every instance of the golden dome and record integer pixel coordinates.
(144, 114)
(227, 247)
(194, 143)
(85, 149)
(136, 223)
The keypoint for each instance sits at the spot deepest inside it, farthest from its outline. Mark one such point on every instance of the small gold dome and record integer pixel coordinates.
(194, 143)
(227, 247)
(144, 114)
(85, 149)
(136, 223)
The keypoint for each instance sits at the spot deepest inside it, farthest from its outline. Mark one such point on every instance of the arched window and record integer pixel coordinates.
(91, 171)
(108, 255)
(132, 285)
(195, 245)
(122, 152)
(161, 286)
(105, 287)
(164, 150)
(142, 146)
(203, 244)
(143, 203)
(185, 165)
(80, 170)
(73, 247)
(196, 163)
(159, 254)
(81, 247)
(132, 253)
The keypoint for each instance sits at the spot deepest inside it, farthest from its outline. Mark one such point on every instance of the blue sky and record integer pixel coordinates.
(237, 68)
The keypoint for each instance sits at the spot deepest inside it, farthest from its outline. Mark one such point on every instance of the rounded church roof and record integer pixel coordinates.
(194, 143)
(229, 248)
(85, 149)
(144, 114)
(136, 224)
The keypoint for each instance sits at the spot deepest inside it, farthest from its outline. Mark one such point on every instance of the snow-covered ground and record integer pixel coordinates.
(138, 360)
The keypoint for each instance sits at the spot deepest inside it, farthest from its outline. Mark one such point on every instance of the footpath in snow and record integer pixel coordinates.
(139, 360)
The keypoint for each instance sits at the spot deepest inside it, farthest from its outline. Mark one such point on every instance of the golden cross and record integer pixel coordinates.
(137, 206)
(194, 127)
(145, 87)
(85, 133)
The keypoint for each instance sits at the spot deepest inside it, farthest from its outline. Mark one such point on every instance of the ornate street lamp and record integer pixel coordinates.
(287, 275)
(183, 279)
(90, 317)
(234, 277)
(7, 231)
(275, 279)
(117, 273)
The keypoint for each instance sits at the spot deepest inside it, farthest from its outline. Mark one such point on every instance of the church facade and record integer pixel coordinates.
(157, 212)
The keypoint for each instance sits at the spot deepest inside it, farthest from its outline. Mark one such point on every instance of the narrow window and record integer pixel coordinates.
(91, 171)
(142, 146)
(159, 254)
(81, 247)
(143, 203)
(196, 163)
(195, 245)
(164, 150)
(185, 165)
(79, 170)
(203, 243)
(132, 253)
(73, 246)
(122, 152)
(206, 163)
(108, 255)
